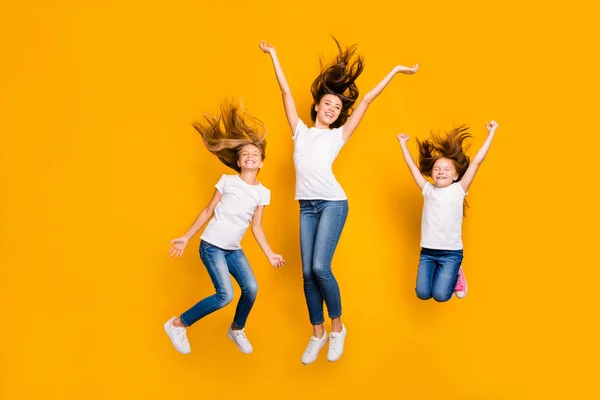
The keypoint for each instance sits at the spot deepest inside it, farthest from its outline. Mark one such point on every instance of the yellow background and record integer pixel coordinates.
(100, 168)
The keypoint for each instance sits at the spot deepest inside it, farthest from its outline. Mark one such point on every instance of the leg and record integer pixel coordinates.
(332, 218)
(425, 274)
(216, 265)
(447, 274)
(312, 292)
(240, 269)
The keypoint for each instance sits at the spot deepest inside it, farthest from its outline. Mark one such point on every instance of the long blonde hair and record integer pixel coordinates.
(226, 134)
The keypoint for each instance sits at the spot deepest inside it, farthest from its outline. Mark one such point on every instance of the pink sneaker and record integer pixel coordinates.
(460, 290)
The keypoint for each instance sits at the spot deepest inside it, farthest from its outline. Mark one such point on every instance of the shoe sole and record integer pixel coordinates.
(464, 291)
(170, 338)
(237, 345)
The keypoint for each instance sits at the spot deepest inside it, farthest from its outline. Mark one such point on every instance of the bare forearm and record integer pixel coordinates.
(261, 239)
(283, 85)
(376, 91)
(480, 156)
(202, 219)
(412, 166)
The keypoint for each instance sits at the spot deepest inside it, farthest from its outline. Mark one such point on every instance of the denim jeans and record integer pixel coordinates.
(219, 264)
(321, 224)
(438, 273)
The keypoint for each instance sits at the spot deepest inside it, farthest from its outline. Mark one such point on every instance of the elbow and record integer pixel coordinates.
(367, 99)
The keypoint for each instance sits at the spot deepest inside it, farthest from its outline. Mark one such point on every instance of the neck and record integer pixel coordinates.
(249, 176)
(320, 125)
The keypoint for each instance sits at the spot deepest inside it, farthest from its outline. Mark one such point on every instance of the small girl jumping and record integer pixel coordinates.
(443, 159)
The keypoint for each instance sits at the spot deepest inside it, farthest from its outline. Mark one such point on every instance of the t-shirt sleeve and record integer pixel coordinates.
(265, 197)
(339, 141)
(301, 129)
(221, 184)
(458, 189)
(427, 189)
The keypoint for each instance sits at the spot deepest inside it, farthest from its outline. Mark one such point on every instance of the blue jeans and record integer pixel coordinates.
(438, 273)
(321, 224)
(219, 264)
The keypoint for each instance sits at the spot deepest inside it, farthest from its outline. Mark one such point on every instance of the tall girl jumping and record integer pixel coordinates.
(323, 203)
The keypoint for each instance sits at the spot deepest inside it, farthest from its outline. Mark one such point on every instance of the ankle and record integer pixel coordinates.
(177, 323)
(318, 331)
(336, 326)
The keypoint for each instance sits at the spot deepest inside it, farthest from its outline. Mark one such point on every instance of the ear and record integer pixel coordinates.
(317, 107)
(238, 163)
(261, 165)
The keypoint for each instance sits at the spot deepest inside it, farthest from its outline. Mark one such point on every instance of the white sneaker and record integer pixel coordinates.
(336, 344)
(313, 348)
(178, 337)
(240, 339)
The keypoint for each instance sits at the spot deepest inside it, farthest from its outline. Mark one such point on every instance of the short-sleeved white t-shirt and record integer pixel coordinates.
(315, 151)
(233, 214)
(441, 224)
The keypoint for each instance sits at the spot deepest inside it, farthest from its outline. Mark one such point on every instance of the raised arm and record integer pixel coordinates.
(360, 110)
(286, 94)
(410, 162)
(178, 245)
(469, 175)
(275, 259)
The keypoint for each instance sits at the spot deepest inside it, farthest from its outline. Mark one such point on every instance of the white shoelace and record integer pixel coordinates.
(312, 345)
(180, 332)
(241, 334)
(335, 341)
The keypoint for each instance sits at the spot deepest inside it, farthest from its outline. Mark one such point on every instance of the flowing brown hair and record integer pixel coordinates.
(450, 146)
(337, 78)
(226, 134)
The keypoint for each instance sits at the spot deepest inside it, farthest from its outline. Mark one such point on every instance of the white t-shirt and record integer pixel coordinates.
(441, 224)
(314, 153)
(233, 214)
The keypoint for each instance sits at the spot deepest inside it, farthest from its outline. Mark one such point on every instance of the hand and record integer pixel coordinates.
(276, 260)
(177, 247)
(408, 71)
(403, 138)
(266, 47)
(491, 126)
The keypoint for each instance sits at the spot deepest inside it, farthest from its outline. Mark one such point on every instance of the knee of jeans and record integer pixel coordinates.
(224, 297)
(442, 297)
(321, 270)
(251, 289)
(308, 274)
(422, 293)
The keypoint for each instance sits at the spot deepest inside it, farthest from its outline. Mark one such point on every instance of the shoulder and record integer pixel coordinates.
(427, 188)
(263, 189)
(458, 188)
(301, 129)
